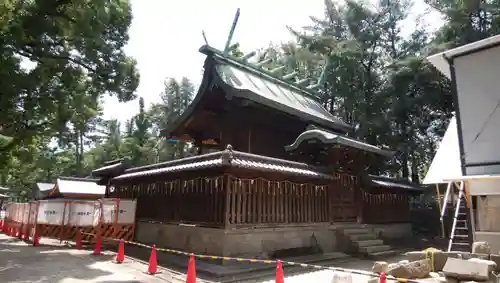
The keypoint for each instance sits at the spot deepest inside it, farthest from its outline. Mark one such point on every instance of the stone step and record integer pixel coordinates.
(356, 231)
(460, 246)
(367, 243)
(374, 249)
(362, 237)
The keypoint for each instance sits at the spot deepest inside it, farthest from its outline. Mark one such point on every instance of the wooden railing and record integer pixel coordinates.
(230, 201)
(259, 201)
(385, 208)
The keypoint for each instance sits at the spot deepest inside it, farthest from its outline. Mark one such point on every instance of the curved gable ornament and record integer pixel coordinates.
(329, 138)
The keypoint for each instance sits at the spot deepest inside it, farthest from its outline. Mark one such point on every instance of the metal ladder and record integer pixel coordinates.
(459, 235)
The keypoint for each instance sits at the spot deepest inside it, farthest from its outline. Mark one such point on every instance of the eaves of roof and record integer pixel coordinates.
(327, 137)
(393, 183)
(228, 158)
(239, 79)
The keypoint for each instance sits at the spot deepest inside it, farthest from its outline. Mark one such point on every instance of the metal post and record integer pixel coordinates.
(438, 195)
(445, 200)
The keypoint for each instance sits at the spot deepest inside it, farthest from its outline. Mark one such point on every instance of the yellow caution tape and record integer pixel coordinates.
(266, 261)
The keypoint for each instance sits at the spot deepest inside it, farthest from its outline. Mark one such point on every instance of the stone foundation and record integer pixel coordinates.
(392, 231)
(258, 242)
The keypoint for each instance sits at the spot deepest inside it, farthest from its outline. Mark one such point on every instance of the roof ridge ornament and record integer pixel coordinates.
(231, 32)
(306, 85)
(227, 154)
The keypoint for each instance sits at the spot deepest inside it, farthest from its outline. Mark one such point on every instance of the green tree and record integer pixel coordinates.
(54, 50)
(466, 21)
(377, 79)
(138, 142)
(174, 100)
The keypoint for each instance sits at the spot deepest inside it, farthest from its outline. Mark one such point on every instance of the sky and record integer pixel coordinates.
(165, 36)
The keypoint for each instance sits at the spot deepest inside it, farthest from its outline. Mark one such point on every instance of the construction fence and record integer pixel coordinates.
(113, 220)
(60, 219)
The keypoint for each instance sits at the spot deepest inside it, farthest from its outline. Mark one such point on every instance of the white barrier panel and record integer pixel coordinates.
(73, 213)
(22, 207)
(17, 212)
(13, 212)
(33, 210)
(26, 213)
(51, 212)
(82, 213)
(10, 211)
(126, 209)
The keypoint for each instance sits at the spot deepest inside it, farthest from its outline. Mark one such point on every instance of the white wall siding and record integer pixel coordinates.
(478, 88)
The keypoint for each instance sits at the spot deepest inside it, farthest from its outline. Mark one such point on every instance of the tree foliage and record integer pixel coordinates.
(60, 57)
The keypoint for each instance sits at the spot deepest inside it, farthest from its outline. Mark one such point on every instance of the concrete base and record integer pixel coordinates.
(368, 240)
(256, 242)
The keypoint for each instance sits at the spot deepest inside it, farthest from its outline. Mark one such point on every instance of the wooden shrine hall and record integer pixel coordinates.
(273, 170)
(70, 188)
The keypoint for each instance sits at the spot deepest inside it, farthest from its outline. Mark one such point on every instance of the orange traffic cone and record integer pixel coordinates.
(191, 274)
(120, 256)
(97, 250)
(78, 240)
(152, 267)
(383, 278)
(35, 238)
(280, 278)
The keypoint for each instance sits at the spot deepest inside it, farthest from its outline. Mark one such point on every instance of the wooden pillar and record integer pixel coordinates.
(227, 189)
(358, 199)
(331, 190)
(228, 123)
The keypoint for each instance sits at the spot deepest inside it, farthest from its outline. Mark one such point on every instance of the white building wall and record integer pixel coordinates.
(478, 89)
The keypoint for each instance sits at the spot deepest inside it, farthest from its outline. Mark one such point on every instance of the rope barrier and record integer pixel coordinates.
(265, 261)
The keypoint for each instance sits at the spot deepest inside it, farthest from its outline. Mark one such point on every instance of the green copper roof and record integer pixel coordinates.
(331, 138)
(260, 86)
(252, 82)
